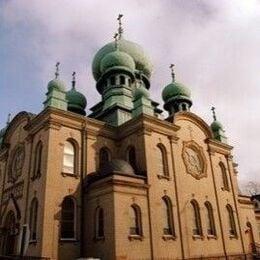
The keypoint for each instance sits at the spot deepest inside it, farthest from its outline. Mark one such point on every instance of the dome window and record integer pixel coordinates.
(122, 80)
(112, 80)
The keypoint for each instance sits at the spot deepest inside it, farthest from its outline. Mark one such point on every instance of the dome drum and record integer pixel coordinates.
(173, 104)
(115, 71)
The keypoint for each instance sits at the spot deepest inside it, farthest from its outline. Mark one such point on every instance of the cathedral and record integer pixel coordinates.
(124, 181)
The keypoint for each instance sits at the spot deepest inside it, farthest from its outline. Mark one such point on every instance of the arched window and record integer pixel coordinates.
(104, 156)
(131, 157)
(135, 220)
(162, 167)
(168, 224)
(37, 161)
(69, 158)
(112, 80)
(231, 221)
(211, 229)
(129, 82)
(183, 107)
(122, 80)
(196, 220)
(99, 222)
(224, 176)
(33, 219)
(68, 219)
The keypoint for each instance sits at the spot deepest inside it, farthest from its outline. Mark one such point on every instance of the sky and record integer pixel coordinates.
(214, 44)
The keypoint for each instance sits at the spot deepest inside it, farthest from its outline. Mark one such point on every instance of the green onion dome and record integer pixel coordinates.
(175, 90)
(76, 101)
(216, 126)
(117, 59)
(141, 60)
(56, 84)
(141, 92)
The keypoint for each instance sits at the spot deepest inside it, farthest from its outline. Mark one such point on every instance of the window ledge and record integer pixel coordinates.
(68, 240)
(211, 237)
(74, 175)
(224, 189)
(135, 237)
(160, 177)
(168, 237)
(99, 238)
(233, 236)
(195, 237)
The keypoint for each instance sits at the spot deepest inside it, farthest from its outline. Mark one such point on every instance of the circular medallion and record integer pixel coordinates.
(16, 163)
(194, 159)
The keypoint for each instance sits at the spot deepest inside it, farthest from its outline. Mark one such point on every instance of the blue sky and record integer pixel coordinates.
(215, 45)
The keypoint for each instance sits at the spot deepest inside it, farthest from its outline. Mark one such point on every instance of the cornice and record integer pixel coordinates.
(216, 146)
(145, 124)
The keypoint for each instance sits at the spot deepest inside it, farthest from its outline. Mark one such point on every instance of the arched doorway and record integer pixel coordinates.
(9, 234)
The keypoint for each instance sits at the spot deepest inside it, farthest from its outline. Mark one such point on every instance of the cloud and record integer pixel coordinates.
(214, 44)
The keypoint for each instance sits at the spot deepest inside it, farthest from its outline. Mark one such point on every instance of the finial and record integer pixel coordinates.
(116, 40)
(57, 70)
(73, 80)
(172, 72)
(120, 28)
(214, 113)
(8, 119)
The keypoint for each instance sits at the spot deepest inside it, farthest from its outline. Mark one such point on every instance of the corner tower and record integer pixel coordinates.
(176, 96)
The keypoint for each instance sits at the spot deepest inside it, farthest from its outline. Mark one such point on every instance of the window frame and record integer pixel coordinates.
(211, 229)
(224, 177)
(75, 155)
(99, 220)
(107, 152)
(197, 231)
(168, 231)
(138, 229)
(131, 157)
(232, 229)
(33, 221)
(74, 238)
(37, 166)
(161, 150)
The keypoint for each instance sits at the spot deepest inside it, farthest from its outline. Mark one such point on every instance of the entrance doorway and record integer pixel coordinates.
(9, 234)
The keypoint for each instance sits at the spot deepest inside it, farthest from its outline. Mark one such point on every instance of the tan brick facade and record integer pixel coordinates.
(190, 177)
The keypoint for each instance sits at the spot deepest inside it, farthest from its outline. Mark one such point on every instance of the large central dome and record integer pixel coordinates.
(142, 61)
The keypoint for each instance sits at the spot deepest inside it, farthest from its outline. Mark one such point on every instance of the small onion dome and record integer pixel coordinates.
(56, 84)
(141, 92)
(76, 101)
(117, 59)
(175, 89)
(141, 60)
(116, 166)
(216, 126)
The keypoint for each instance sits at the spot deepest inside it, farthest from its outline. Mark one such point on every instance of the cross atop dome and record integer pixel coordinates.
(57, 70)
(172, 72)
(73, 80)
(214, 113)
(120, 28)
